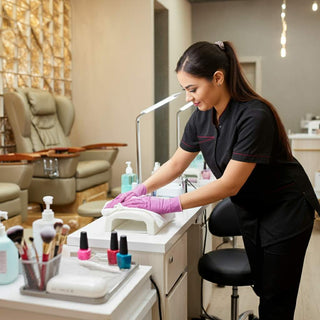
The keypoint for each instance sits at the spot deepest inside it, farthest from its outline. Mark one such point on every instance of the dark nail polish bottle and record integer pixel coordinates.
(123, 258)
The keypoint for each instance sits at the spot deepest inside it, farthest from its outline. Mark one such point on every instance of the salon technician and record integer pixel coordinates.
(244, 143)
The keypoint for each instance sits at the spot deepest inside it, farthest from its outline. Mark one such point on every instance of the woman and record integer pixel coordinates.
(244, 143)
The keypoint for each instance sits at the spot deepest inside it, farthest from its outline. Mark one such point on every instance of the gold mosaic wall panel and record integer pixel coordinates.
(35, 48)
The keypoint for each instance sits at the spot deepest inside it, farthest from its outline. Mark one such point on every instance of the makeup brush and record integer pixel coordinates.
(15, 233)
(57, 227)
(47, 235)
(64, 233)
(31, 277)
(31, 239)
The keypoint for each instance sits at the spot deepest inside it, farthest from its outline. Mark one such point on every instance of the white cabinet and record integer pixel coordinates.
(306, 149)
(173, 254)
(168, 270)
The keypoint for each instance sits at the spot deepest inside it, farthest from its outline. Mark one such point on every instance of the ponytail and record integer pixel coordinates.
(203, 59)
(241, 90)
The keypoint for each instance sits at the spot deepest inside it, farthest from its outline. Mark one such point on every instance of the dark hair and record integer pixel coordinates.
(203, 59)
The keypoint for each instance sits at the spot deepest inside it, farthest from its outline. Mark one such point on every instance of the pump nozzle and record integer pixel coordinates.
(48, 200)
(4, 215)
(47, 213)
(128, 168)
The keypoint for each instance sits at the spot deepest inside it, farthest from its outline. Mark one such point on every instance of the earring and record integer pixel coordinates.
(219, 84)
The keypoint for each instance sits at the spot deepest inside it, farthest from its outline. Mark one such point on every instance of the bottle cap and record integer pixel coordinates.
(123, 245)
(114, 241)
(83, 240)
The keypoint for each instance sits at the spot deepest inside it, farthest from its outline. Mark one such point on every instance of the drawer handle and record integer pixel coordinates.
(171, 259)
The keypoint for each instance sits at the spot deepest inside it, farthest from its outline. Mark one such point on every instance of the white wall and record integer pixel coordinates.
(113, 72)
(254, 26)
(112, 46)
(179, 39)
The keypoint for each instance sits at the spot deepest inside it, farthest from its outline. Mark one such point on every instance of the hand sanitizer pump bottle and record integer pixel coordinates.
(47, 219)
(128, 178)
(9, 257)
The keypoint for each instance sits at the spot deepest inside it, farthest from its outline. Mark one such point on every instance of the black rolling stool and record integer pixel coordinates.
(227, 267)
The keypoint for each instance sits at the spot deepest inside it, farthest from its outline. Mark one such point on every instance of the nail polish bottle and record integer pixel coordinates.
(112, 252)
(84, 253)
(205, 173)
(123, 258)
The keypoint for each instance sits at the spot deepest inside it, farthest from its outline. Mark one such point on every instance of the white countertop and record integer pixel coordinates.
(304, 136)
(10, 298)
(160, 242)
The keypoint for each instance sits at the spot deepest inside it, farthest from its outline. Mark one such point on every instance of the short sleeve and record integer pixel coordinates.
(256, 134)
(189, 141)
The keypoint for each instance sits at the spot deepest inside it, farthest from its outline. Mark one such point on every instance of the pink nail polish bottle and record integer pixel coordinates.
(112, 252)
(205, 173)
(84, 253)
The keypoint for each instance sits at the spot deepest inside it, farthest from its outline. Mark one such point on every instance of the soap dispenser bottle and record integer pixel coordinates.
(47, 219)
(9, 258)
(128, 178)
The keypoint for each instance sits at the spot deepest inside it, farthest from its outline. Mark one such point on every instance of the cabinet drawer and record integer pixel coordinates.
(177, 301)
(175, 262)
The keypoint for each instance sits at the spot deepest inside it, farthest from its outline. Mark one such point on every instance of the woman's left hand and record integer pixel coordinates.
(139, 190)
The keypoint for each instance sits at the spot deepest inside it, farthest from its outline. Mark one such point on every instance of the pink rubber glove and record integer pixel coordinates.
(139, 190)
(158, 205)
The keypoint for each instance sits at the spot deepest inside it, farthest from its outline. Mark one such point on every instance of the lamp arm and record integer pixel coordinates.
(138, 142)
(183, 108)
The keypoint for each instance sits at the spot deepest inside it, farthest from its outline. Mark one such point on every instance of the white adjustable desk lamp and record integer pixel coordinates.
(145, 111)
(183, 108)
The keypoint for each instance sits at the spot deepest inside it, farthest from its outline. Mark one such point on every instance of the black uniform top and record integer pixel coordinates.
(278, 196)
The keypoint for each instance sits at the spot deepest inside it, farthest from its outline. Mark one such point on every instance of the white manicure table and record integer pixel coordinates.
(173, 254)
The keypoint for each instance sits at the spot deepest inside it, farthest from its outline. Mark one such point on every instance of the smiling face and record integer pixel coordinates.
(203, 93)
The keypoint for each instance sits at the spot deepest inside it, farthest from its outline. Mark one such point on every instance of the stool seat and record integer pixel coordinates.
(91, 209)
(229, 267)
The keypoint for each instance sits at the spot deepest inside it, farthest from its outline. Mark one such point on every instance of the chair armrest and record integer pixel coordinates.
(104, 146)
(16, 157)
(61, 152)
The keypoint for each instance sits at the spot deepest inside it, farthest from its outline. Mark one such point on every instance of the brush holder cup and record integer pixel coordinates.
(37, 273)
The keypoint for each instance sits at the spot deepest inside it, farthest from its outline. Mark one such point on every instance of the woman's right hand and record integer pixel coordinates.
(139, 190)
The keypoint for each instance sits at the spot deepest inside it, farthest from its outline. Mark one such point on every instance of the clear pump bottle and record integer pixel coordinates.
(47, 219)
(9, 258)
(128, 178)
